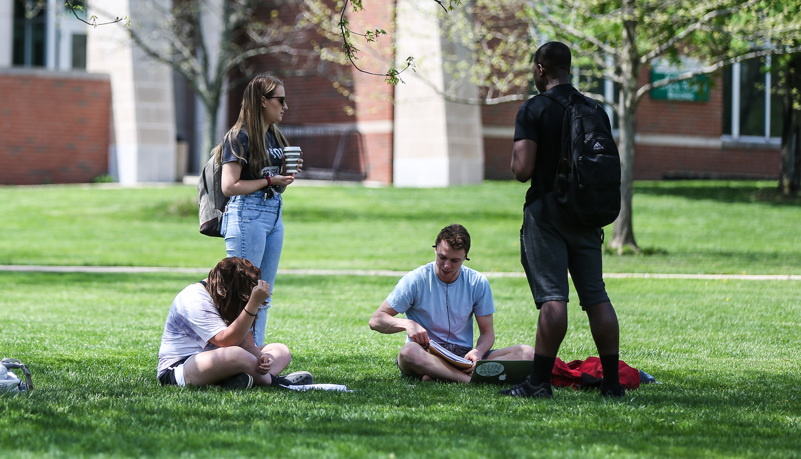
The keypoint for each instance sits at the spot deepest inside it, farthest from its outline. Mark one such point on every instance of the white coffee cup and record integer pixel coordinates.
(291, 156)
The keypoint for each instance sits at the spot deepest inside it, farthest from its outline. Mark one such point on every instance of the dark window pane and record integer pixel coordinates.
(752, 99)
(38, 39)
(776, 104)
(79, 51)
(727, 102)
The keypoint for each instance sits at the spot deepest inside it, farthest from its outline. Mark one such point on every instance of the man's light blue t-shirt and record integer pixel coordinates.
(444, 310)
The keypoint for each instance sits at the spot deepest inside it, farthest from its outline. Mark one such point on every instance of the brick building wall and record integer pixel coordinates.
(499, 129)
(54, 127)
(677, 140)
(373, 97)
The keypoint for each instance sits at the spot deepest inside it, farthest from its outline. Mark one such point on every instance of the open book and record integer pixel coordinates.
(448, 356)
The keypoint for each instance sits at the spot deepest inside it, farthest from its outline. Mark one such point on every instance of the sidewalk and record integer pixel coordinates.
(385, 273)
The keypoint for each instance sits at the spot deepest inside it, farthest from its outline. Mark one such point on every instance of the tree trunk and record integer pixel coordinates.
(790, 177)
(209, 134)
(214, 40)
(623, 229)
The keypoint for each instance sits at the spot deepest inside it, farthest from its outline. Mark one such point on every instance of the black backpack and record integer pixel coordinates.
(587, 184)
(210, 199)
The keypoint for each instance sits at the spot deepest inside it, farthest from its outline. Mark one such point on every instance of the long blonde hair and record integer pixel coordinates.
(250, 121)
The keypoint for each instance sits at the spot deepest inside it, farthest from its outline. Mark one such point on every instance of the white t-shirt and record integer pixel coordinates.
(192, 321)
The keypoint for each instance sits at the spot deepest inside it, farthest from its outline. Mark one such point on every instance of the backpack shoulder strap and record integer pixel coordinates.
(553, 98)
(564, 160)
(579, 98)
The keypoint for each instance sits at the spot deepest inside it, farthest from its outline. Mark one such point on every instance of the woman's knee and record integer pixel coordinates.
(240, 356)
(278, 350)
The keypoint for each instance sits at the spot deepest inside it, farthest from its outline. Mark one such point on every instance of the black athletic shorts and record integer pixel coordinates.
(549, 248)
(168, 377)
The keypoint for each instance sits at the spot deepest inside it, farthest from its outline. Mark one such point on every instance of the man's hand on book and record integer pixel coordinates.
(474, 357)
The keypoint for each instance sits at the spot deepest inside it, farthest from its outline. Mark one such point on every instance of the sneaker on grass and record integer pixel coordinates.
(297, 378)
(526, 389)
(240, 381)
(613, 391)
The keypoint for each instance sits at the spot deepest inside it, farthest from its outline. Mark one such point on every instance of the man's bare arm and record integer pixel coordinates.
(486, 335)
(524, 155)
(384, 321)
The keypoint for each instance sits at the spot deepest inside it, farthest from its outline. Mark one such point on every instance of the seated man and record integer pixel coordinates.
(439, 300)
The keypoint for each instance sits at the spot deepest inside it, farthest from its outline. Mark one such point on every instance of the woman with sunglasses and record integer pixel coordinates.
(254, 176)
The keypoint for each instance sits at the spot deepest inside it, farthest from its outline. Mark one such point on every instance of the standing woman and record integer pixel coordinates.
(253, 175)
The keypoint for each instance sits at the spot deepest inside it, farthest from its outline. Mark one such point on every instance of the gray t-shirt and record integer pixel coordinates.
(192, 321)
(444, 310)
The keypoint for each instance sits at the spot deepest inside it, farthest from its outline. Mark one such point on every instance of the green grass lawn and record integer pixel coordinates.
(683, 227)
(725, 351)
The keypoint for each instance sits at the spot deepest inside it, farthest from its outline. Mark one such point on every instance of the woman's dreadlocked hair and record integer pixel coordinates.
(230, 285)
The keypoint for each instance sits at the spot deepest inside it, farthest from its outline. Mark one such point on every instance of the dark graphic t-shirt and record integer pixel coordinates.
(273, 149)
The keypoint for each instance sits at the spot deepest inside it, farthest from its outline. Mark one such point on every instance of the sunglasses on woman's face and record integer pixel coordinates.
(281, 99)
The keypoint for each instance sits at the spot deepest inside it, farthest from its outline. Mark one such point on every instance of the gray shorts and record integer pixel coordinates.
(549, 248)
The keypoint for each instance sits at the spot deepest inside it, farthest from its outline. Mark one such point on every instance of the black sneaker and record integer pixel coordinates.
(613, 391)
(526, 389)
(240, 381)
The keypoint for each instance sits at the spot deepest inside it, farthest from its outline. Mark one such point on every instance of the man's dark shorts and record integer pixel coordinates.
(549, 248)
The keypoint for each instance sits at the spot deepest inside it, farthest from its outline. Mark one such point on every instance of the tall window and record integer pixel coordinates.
(30, 33)
(752, 109)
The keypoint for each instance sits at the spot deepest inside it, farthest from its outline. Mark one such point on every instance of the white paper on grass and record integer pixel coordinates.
(332, 387)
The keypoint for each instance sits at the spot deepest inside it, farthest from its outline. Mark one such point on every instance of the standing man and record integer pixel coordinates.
(550, 247)
(440, 300)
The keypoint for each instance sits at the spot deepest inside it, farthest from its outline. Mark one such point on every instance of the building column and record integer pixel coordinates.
(436, 142)
(143, 144)
(6, 33)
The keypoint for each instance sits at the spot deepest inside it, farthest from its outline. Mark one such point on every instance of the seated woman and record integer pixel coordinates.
(208, 336)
